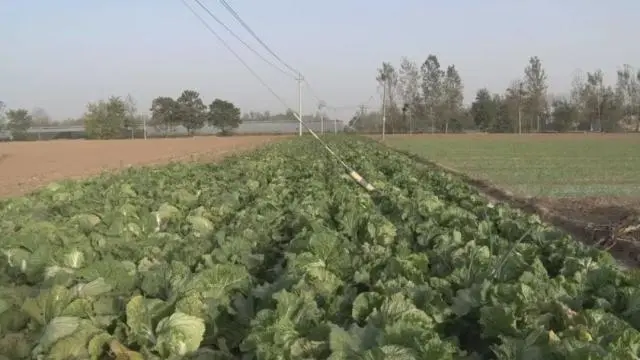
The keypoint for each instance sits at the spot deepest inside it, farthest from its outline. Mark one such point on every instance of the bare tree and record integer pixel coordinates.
(516, 96)
(594, 95)
(536, 87)
(432, 77)
(388, 80)
(453, 96)
(628, 95)
(409, 88)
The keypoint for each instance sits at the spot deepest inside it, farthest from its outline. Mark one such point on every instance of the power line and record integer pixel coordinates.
(334, 108)
(255, 36)
(351, 106)
(214, 33)
(244, 24)
(242, 41)
(354, 175)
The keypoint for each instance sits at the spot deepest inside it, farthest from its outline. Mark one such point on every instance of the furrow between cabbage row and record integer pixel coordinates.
(278, 254)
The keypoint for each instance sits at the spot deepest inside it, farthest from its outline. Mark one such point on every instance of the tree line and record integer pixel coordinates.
(117, 117)
(429, 98)
(191, 112)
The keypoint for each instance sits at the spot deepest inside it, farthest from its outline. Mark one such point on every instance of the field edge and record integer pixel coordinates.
(626, 252)
(29, 182)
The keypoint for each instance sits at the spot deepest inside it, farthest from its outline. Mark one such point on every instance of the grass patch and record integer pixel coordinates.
(539, 165)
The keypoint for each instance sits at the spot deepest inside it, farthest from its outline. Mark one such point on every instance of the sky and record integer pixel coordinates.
(60, 55)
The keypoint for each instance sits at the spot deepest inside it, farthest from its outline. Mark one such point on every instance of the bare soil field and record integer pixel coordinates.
(26, 166)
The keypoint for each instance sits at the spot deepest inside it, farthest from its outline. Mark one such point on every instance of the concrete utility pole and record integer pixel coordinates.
(384, 109)
(433, 120)
(321, 106)
(363, 111)
(300, 78)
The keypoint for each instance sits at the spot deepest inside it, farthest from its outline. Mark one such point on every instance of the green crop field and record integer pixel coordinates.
(554, 165)
(277, 254)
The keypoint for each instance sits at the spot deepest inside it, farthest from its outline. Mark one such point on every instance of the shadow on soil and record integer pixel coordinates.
(572, 216)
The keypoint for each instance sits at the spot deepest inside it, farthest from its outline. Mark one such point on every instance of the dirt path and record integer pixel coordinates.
(595, 209)
(25, 166)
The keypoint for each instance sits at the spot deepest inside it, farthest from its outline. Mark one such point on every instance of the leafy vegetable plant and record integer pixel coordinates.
(277, 254)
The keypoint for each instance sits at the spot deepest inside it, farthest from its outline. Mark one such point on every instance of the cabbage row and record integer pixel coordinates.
(277, 254)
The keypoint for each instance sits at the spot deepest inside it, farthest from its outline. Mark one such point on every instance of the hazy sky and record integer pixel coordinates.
(61, 54)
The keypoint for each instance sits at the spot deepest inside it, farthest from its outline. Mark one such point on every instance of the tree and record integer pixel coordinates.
(432, 77)
(365, 121)
(628, 94)
(602, 109)
(19, 122)
(409, 84)
(388, 79)
(105, 119)
(40, 117)
(484, 110)
(224, 116)
(514, 100)
(131, 119)
(565, 114)
(191, 111)
(594, 98)
(578, 100)
(502, 122)
(453, 96)
(611, 111)
(164, 114)
(536, 89)
(3, 117)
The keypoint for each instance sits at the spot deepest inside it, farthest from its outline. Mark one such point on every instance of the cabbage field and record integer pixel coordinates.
(278, 254)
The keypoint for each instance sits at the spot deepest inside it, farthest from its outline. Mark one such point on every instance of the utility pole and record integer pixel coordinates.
(410, 122)
(433, 120)
(321, 106)
(384, 109)
(520, 96)
(300, 78)
(519, 119)
(144, 126)
(335, 125)
(363, 110)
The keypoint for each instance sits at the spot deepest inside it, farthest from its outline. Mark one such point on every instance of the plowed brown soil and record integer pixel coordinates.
(593, 209)
(26, 166)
